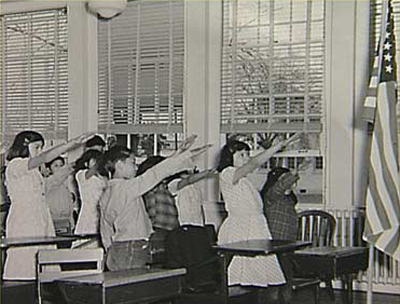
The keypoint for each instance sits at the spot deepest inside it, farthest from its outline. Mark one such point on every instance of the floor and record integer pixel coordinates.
(305, 297)
(27, 295)
(358, 298)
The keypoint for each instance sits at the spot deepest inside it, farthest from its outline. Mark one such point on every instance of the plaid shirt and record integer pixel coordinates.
(280, 212)
(161, 207)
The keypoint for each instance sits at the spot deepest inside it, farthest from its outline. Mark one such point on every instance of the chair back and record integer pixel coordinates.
(317, 226)
(191, 247)
(53, 264)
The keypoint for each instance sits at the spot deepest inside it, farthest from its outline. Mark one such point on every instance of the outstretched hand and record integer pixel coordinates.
(186, 144)
(211, 172)
(197, 151)
(305, 165)
(83, 138)
(292, 139)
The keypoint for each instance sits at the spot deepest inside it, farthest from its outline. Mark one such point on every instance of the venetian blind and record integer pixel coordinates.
(141, 67)
(273, 66)
(34, 73)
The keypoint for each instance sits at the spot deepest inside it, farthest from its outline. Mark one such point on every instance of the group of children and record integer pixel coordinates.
(134, 206)
(100, 192)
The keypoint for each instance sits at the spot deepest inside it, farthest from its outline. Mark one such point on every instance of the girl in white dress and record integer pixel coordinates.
(29, 215)
(245, 220)
(91, 186)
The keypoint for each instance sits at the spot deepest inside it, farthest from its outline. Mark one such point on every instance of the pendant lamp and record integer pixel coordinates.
(107, 9)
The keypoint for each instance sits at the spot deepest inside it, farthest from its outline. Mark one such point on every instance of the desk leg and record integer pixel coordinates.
(224, 262)
(347, 291)
(285, 292)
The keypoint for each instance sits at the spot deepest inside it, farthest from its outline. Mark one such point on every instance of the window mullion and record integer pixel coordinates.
(56, 78)
(271, 97)
(307, 65)
(3, 78)
(171, 67)
(136, 119)
(29, 84)
(233, 67)
(109, 78)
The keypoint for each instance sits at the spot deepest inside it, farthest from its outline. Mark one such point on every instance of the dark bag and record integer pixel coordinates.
(191, 247)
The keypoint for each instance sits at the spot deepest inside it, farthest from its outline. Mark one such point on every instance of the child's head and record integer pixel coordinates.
(234, 153)
(282, 177)
(89, 159)
(148, 163)
(56, 164)
(26, 144)
(120, 162)
(95, 143)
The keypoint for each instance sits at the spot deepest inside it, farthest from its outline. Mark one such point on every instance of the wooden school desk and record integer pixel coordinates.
(253, 248)
(42, 240)
(25, 291)
(124, 286)
(331, 263)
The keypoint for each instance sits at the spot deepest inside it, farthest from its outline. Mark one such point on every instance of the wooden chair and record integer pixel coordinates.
(54, 264)
(318, 227)
(191, 247)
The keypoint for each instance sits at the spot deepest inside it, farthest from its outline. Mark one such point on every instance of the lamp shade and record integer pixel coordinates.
(107, 9)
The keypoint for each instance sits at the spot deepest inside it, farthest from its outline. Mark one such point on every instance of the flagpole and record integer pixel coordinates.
(371, 266)
(370, 274)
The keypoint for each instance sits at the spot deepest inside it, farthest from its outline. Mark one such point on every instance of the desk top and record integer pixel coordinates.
(41, 240)
(331, 251)
(124, 277)
(260, 247)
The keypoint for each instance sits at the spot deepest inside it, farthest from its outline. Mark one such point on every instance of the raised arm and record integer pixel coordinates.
(259, 159)
(180, 160)
(54, 152)
(194, 178)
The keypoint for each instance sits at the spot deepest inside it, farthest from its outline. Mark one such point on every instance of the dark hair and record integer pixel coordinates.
(57, 158)
(19, 148)
(272, 178)
(112, 156)
(82, 162)
(95, 141)
(227, 152)
(148, 163)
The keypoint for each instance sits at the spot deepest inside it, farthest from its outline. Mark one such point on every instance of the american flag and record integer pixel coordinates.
(383, 192)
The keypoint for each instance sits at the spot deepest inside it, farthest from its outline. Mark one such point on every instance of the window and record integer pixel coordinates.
(141, 69)
(34, 69)
(273, 79)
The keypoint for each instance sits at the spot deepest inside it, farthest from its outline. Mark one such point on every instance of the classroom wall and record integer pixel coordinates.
(347, 59)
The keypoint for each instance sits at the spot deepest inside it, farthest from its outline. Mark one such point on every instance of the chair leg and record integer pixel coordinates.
(316, 294)
(39, 292)
(330, 289)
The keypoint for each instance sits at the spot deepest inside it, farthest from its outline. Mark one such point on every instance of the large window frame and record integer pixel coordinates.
(273, 73)
(34, 68)
(141, 69)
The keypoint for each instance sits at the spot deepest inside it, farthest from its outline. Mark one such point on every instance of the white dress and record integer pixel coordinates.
(29, 216)
(189, 202)
(90, 191)
(246, 221)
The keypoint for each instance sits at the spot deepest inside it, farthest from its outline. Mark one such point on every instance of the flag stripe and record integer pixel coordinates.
(379, 210)
(385, 154)
(383, 194)
(389, 130)
(394, 242)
